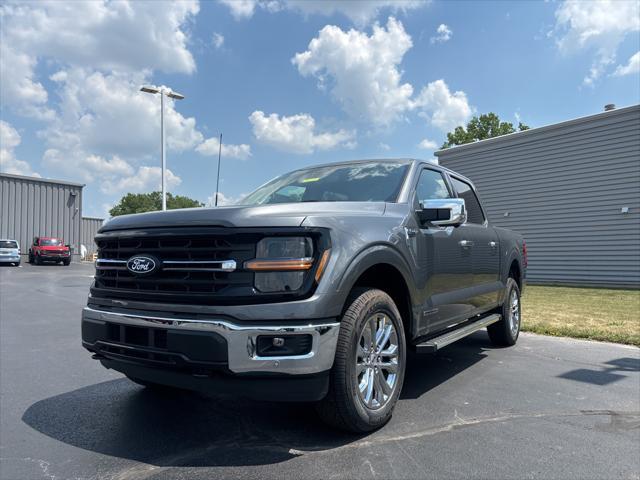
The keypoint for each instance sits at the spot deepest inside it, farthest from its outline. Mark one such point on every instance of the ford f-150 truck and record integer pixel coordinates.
(312, 288)
(49, 249)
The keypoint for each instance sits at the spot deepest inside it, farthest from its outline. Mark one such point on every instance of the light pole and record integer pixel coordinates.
(169, 93)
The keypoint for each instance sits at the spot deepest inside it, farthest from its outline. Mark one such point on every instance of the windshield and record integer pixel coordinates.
(8, 244)
(50, 242)
(355, 182)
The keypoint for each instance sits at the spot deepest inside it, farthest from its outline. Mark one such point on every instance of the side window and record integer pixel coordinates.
(474, 211)
(431, 186)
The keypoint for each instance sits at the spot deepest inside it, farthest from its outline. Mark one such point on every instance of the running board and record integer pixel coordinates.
(435, 344)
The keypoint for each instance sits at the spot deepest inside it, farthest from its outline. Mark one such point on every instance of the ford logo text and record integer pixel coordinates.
(142, 265)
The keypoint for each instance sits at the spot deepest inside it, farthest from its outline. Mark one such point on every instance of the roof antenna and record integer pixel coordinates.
(218, 177)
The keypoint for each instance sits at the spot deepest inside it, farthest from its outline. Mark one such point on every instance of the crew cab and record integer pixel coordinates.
(9, 251)
(312, 288)
(49, 249)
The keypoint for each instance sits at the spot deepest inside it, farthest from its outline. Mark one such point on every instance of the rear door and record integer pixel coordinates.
(445, 264)
(484, 247)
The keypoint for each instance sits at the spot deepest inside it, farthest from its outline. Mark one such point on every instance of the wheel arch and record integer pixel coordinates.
(384, 268)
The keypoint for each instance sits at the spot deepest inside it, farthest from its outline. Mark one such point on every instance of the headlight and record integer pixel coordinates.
(281, 263)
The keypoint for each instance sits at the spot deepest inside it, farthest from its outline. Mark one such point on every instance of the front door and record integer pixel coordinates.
(445, 263)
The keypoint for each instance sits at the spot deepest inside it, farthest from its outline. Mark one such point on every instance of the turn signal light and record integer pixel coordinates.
(279, 264)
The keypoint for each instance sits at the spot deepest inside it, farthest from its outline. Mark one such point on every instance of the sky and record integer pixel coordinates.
(288, 83)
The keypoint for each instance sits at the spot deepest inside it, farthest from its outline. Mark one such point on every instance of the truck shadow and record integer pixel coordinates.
(167, 429)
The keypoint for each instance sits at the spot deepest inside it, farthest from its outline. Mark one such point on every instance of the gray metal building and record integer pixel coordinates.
(572, 189)
(31, 207)
(90, 227)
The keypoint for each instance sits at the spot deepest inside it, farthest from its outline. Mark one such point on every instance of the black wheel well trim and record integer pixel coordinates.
(378, 255)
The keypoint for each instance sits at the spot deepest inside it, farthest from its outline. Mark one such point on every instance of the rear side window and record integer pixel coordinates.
(474, 211)
(431, 186)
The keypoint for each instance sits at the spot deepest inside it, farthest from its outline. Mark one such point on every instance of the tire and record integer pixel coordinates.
(30, 259)
(505, 332)
(66, 262)
(37, 260)
(17, 264)
(346, 406)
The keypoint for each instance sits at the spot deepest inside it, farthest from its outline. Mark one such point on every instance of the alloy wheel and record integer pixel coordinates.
(377, 361)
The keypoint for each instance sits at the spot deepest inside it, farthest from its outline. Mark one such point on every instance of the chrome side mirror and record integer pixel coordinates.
(448, 212)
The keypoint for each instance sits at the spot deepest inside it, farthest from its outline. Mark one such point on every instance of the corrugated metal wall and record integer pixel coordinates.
(564, 187)
(32, 207)
(90, 227)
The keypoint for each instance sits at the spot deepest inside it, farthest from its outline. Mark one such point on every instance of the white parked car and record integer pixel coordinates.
(9, 251)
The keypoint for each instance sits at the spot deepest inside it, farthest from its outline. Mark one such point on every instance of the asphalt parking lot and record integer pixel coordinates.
(548, 408)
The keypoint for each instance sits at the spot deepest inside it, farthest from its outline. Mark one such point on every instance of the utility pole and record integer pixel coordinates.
(218, 176)
(169, 93)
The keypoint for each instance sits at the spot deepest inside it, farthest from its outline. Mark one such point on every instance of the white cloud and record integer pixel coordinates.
(223, 200)
(598, 26)
(104, 34)
(217, 39)
(443, 34)
(364, 69)
(102, 127)
(443, 109)
(211, 147)
(384, 146)
(360, 12)
(106, 114)
(9, 140)
(145, 179)
(241, 9)
(363, 75)
(427, 144)
(297, 133)
(632, 66)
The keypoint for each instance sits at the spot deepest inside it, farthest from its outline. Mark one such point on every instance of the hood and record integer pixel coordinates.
(53, 247)
(277, 215)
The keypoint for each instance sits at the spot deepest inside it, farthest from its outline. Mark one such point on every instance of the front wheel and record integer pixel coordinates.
(505, 332)
(368, 371)
(66, 261)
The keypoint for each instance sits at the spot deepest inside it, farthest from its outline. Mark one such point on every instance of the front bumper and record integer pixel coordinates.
(199, 343)
(55, 256)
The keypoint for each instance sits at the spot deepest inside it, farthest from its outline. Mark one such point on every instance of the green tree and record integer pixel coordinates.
(480, 128)
(148, 202)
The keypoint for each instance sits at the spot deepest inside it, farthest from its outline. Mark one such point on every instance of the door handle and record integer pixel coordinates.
(465, 243)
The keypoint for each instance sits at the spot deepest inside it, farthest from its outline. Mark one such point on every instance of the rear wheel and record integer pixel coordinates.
(30, 260)
(368, 371)
(505, 332)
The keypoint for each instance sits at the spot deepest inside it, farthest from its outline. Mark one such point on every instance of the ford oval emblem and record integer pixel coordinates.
(142, 265)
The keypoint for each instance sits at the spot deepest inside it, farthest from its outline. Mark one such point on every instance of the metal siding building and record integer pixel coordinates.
(572, 189)
(31, 207)
(90, 227)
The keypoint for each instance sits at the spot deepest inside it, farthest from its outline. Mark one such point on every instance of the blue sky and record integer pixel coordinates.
(288, 83)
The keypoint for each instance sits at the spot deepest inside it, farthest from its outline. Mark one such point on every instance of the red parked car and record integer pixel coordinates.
(49, 249)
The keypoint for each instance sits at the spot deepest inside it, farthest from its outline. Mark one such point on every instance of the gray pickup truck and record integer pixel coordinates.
(313, 288)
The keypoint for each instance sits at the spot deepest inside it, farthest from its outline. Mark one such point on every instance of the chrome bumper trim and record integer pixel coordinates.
(241, 340)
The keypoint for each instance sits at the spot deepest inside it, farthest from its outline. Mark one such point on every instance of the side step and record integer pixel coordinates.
(435, 344)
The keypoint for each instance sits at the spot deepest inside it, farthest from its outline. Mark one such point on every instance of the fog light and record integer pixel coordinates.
(275, 346)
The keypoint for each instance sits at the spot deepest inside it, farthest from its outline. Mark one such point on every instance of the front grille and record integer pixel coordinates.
(193, 270)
